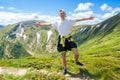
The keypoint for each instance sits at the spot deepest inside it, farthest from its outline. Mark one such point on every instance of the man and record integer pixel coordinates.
(65, 41)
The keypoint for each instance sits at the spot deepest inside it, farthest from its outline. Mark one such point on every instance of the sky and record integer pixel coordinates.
(13, 11)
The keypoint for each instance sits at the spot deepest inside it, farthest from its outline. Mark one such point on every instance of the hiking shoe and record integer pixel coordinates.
(79, 63)
(64, 71)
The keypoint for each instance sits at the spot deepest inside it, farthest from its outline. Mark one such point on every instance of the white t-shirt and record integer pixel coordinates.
(63, 27)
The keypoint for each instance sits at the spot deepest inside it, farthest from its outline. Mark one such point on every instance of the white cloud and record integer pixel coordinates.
(116, 10)
(106, 15)
(84, 6)
(105, 7)
(87, 13)
(69, 12)
(12, 17)
(111, 13)
(98, 16)
(1, 7)
(11, 8)
(82, 14)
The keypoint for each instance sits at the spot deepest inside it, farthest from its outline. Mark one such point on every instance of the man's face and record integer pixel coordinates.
(62, 14)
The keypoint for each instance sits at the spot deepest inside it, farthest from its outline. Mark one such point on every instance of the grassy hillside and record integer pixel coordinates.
(8, 49)
(31, 40)
(105, 41)
(97, 67)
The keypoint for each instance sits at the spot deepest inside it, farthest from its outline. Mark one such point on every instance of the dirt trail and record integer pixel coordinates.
(23, 71)
(13, 71)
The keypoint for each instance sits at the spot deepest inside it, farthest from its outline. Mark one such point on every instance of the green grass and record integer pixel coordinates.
(97, 66)
(107, 44)
(33, 76)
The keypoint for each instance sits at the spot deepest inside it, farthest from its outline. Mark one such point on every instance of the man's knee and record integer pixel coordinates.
(63, 54)
(75, 51)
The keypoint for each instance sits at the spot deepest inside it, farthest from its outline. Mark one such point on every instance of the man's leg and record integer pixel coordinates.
(64, 62)
(64, 59)
(76, 56)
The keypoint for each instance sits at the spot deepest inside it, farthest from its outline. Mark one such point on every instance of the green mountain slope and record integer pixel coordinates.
(100, 37)
(28, 38)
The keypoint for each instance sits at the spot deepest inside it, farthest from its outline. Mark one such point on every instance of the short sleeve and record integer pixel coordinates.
(72, 22)
(54, 24)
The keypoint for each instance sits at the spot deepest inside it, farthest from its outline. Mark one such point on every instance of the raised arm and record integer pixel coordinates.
(83, 19)
(42, 24)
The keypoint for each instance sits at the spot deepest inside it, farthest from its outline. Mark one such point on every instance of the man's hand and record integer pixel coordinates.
(91, 17)
(83, 19)
(37, 24)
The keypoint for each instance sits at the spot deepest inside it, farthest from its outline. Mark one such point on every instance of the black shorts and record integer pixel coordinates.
(68, 45)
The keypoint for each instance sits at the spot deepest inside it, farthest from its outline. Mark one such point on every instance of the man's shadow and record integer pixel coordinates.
(83, 74)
